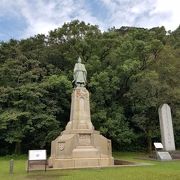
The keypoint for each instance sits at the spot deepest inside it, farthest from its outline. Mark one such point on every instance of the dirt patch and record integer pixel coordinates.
(123, 162)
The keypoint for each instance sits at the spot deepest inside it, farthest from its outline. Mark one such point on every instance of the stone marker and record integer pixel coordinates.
(167, 134)
(11, 166)
(164, 156)
(79, 145)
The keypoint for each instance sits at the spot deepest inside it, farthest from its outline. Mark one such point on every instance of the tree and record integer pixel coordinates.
(131, 72)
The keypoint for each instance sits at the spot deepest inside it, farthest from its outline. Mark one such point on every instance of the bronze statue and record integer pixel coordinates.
(80, 74)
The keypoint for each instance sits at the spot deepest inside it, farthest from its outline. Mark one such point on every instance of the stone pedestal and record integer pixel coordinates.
(80, 145)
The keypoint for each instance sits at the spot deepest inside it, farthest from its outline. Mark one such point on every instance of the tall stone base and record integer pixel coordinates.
(80, 145)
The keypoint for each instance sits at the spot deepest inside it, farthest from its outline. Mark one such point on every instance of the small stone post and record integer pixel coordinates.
(11, 166)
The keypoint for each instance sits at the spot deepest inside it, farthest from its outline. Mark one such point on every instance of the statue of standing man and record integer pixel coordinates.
(80, 74)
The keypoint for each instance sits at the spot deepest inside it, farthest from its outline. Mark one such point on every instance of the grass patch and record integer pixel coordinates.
(160, 170)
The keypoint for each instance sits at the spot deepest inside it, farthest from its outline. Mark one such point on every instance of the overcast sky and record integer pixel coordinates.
(25, 18)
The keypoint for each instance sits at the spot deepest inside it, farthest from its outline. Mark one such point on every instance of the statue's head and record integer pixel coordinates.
(79, 60)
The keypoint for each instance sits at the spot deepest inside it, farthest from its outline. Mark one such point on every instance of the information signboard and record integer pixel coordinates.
(37, 155)
(37, 158)
(158, 145)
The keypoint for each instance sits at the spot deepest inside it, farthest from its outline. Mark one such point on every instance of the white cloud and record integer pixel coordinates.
(144, 13)
(6, 8)
(172, 9)
(126, 12)
(41, 16)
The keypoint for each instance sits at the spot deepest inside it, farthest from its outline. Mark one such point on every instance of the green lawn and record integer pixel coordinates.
(157, 171)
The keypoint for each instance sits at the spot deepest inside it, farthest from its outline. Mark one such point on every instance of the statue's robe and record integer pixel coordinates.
(80, 74)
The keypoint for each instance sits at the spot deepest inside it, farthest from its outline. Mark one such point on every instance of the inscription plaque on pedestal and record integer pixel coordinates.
(85, 139)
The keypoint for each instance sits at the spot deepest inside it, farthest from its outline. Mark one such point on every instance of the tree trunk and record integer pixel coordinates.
(17, 148)
(149, 141)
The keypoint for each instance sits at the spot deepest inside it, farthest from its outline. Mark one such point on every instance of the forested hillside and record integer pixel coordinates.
(131, 72)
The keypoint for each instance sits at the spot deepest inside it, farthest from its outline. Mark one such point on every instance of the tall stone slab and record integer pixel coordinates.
(166, 127)
(79, 145)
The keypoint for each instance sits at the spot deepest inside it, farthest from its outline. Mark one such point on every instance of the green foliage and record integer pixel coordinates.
(131, 72)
